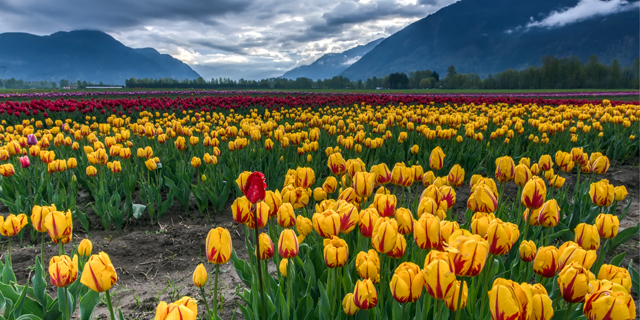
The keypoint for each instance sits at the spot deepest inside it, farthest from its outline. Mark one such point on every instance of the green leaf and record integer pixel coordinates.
(618, 259)
(88, 302)
(28, 317)
(39, 283)
(138, 209)
(7, 272)
(20, 302)
(624, 236)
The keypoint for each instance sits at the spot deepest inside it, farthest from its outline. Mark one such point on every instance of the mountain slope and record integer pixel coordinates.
(91, 56)
(331, 64)
(489, 36)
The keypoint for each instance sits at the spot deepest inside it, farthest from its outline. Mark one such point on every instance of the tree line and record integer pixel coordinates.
(44, 84)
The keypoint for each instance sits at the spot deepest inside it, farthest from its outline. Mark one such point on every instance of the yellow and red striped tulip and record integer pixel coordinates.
(607, 225)
(99, 274)
(619, 193)
(601, 193)
(385, 204)
(436, 158)
(382, 173)
(348, 305)
(509, 300)
(405, 221)
(365, 295)
(439, 278)
(505, 169)
(336, 252)
(600, 165)
(573, 282)
(534, 193)
(522, 175)
(452, 302)
(426, 231)
(274, 201)
(286, 216)
(549, 214)
(407, 283)
(330, 184)
(471, 253)
(399, 248)
(545, 163)
(59, 224)
(615, 275)
(587, 236)
(456, 176)
(63, 271)
(261, 209)
(368, 218)
(571, 252)
(288, 244)
(527, 251)
(402, 175)
(546, 262)
(363, 183)
(614, 303)
(200, 276)
(267, 249)
(501, 236)
(368, 265)
(327, 224)
(480, 223)
(305, 177)
(384, 235)
(482, 200)
(219, 246)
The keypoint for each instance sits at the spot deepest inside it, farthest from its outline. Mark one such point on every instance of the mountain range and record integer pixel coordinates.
(490, 36)
(331, 64)
(91, 56)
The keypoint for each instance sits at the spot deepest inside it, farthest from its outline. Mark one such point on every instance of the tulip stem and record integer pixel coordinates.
(204, 297)
(603, 252)
(215, 292)
(42, 250)
(439, 307)
(569, 307)
(289, 282)
(256, 226)
(546, 242)
(60, 247)
(109, 305)
(66, 302)
(487, 278)
(404, 306)
(461, 287)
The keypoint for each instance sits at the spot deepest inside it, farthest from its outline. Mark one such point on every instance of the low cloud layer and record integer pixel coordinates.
(585, 9)
(248, 39)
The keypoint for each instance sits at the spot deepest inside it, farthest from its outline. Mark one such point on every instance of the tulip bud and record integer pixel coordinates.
(480, 223)
(218, 245)
(329, 185)
(471, 255)
(288, 244)
(428, 178)
(286, 216)
(607, 225)
(619, 193)
(436, 158)
(267, 250)
(304, 226)
(426, 233)
(368, 265)
(327, 223)
(200, 276)
(59, 224)
(501, 237)
(522, 175)
(527, 251)
(505, 169)
(284, 263)
(456, 176)
(439, 278)
(348, 305)
(384, 235)
(542, 304)
(63, 271)
(545, 163)
(99, 274)
(549, 214)
(368, 218)
(385, 204)
(305, 177)
(85, 247)
(405, 221)
(402, 175)
(601, 193)
(573, 281)
(452, 302)
(509, 300)
(587, 236)
(600, 165)
(336, 252)
(570, 252)
(407, 282)
(534, 193)
(365, 295)
(240, 210)
(336, 164)
(545, 263)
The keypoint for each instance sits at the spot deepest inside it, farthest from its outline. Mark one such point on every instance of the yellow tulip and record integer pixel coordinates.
(415, 149)
(405, 221)
(384, 235)
(571, 252)
(218, 245)
(38, 215)
(482, 200)
(609, 303)
(573, 281)
(549, 214)
(200, 276)
(436, 158)
(447, 228)
(522, 175)
(305, 177)
(99, 274)
(545, 163)
(196, 162)
(545, 263)
(267, 250)
(368, 218)
(242, 179)
(509, 300)
(240, 210)
(587, 236)
(284, 263)
(607, 225)
(505, 169)
(600, 165)
(534, 193)
(348, 305)
(402, 175)
(327, 223)
(452, 302)
(262, 211)
(286, 215)
(288, 244)
(407, 282)
(368, 265)
(59, 224)
(480, 223)
(85, 248)
(274, 201)
(336, 164)
(428, 178)
(527, 251)
(601, 193)
(385, 204)
(456, 176)
(365, 295)
(619, 193)
(150, 164)
(471, 253)
(439, 278)
(616, 275)
(330, 185)
(501, 236)
(542, 304)
(336, 252)
(363, 183)
(63, 271)
(448, 197)
(382, 173)
(426, 233)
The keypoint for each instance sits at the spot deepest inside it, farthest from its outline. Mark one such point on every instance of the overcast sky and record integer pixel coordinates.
(253, 39)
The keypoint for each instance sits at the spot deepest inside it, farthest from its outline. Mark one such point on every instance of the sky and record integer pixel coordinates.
(251, 39)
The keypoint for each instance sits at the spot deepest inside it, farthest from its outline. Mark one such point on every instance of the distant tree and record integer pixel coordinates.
(451, 72)
(64, 83)
(436, 76)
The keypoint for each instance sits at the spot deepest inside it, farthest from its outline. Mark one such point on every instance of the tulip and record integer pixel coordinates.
(570, 252)
(99, 274)
(368, 218)
(255, 187)
(368, 265)
(384, 235)
(545, 163)
(274, 201)
(183, 309)
(284, 263)
(402, 175)
(304, 226)
(407, 282)
(405, 221)
(614, 303)
(25, 162)
(286, 215)
(448, 196)
(150, 164)
(429, 205)
(85, 248)
(259, 215)
(501, 237)
(482, 200)
(549, 214)
(600, 165)
(615, 275)
(385, 204)
(418, 172)
(534, 193)
(72, 163)
(426, 233)
(288, 244)
(336, 252)
(355, 165)
(38, 215)
(382, 173)
(365, 295)
(522, 175)
(200, 276)
(330, 185)
(240, 210)
(447, 228)
(452, 302)
(363, 183)
(509, 300)
(456, 176)
(297, 197)
(601, 193)
(471, 255)
(7, 170)
(348, 195)
(619, 193)
(505, 169)
(428, 178)
(527, 251)
(436, 158)
(267, 250)
(542, 304)
(545, 262)
(607, 225)
(348, 305)
(535, 169)
(327, 223)
(305, 177)
(439, 279)
(348, 215)
(63, 271)
(59, 224)
(573, 281)
(587, 236)
(196, 162)
(218, 246)
(480, 223)
(336, 164)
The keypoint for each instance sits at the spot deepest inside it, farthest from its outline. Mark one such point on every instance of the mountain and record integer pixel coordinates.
(490, 36)
(91, 56)
(331, 64)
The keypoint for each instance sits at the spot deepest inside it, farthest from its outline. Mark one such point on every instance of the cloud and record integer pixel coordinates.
(584, 10)
(249, 39)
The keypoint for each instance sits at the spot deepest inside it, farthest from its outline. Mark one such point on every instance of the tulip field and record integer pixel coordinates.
(293, 205)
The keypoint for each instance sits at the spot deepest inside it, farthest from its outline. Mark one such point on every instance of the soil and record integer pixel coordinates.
(156, 263)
